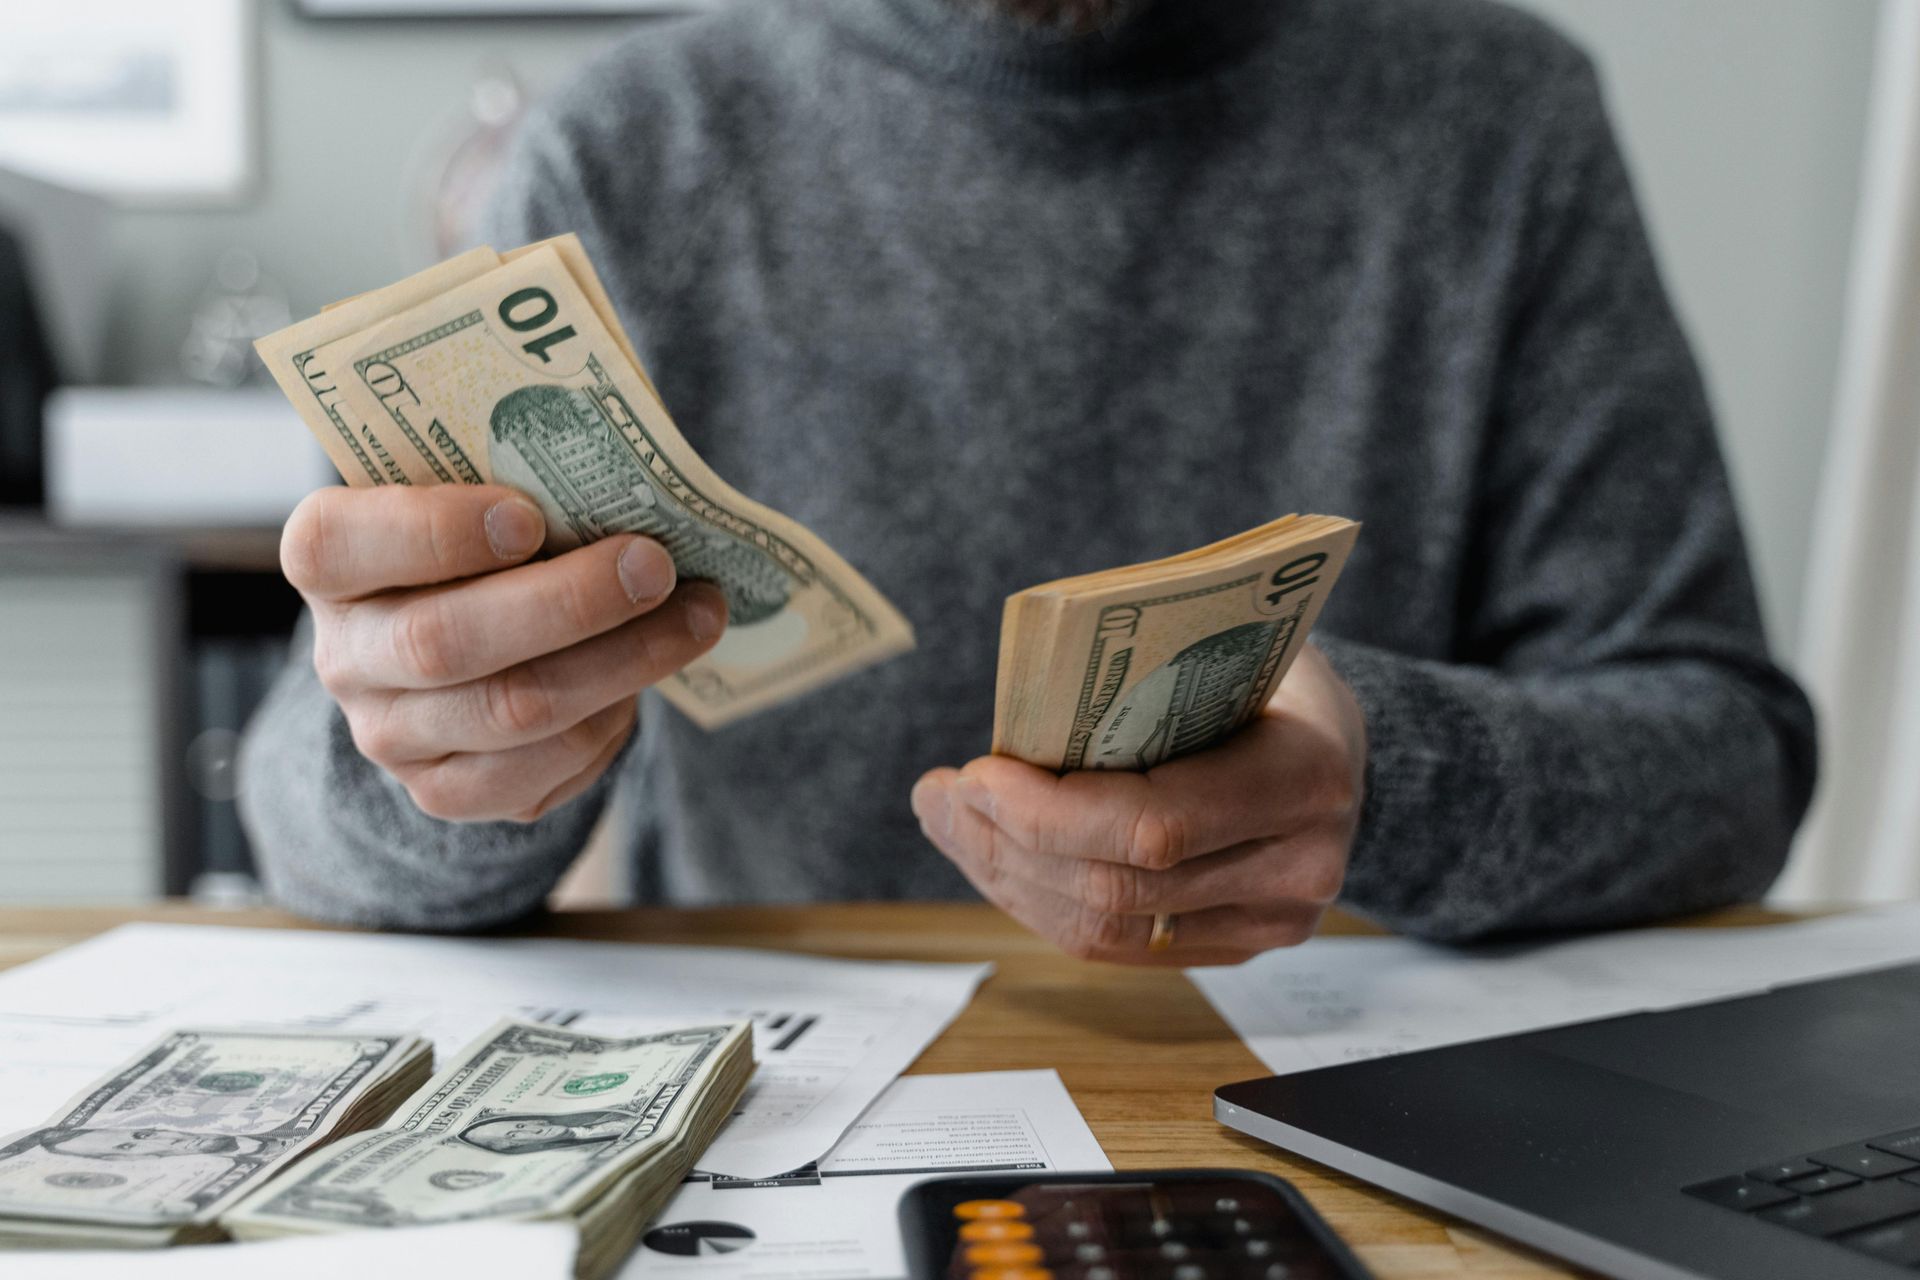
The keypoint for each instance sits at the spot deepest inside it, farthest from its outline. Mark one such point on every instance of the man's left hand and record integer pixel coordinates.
(1244, 845)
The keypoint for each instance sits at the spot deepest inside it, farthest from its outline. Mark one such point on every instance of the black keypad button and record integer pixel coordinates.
(1866, 1204)
(1741, 1193)
(1904, 1143)
(1784, 1170)
(1819, 1183)
(1895, 1242)
(1865, 1161)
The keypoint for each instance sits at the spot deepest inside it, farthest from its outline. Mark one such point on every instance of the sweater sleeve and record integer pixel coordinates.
(337, 838)
(1611, 742)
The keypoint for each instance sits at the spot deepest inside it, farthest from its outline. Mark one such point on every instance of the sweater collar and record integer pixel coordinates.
(1160, 42)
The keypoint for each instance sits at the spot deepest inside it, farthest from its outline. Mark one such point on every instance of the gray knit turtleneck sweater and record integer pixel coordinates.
(985, 309)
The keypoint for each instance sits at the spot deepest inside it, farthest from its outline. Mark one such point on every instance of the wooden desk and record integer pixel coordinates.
(1140, 1049)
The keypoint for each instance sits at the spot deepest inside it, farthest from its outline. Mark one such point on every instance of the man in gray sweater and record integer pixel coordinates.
(989, 292)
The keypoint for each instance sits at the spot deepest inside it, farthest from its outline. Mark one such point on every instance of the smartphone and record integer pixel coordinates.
(1175, 1224)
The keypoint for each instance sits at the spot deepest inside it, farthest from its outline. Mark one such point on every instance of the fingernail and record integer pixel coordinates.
(646, 570)
(706, 614)
(934, 809)
(975, 796)
(515, 528)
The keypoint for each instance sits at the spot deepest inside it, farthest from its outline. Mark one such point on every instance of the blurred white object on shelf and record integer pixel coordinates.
(174, 456)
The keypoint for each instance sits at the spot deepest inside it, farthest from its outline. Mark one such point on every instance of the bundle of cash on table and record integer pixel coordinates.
(155, 1152)
(1130, 667)
(193, 1139)
(513, 368)
(530, 1122)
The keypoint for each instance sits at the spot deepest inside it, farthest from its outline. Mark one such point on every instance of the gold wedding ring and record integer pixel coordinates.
(1162, 936)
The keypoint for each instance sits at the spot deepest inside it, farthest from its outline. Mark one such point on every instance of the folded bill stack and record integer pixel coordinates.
(513, 368)
(1131, 667)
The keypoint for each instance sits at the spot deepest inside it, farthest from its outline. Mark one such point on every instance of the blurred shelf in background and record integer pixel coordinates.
(29, 538)
(131, 656)
(85, 703)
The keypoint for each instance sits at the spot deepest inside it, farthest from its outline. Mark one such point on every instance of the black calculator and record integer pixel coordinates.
(1185, 1224)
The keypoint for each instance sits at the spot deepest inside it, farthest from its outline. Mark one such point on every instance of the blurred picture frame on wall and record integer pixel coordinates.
(147, 104)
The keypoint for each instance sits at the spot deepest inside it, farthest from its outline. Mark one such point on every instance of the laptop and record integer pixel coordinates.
(1769, 1137)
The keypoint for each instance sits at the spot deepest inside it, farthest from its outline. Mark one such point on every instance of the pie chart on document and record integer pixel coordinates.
(697, 1239)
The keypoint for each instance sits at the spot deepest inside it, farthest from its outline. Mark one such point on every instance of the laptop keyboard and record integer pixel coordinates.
(1864, 1196)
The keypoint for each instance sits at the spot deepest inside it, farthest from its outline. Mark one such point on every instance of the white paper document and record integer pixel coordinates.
(523, 1250)
(1340, 1000)
(829, 1035)
(836, 1220)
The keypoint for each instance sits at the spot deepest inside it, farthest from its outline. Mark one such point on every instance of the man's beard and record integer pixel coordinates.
(1061, 17)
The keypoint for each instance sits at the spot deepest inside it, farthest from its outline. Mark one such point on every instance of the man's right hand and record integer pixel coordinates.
(490, 687)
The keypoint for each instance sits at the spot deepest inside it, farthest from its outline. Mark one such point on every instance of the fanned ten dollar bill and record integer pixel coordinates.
(528, 1122)
(1130, 667)
(360, 447)
(512, 368)
(153, 1153)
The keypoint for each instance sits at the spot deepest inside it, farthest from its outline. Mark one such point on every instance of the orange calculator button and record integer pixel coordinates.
(1011, 1273)
(1003, 1253)
(972, 1210)
(996, 1229)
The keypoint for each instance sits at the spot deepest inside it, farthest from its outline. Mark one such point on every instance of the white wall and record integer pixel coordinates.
(1744, 122)
(1742, 119)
